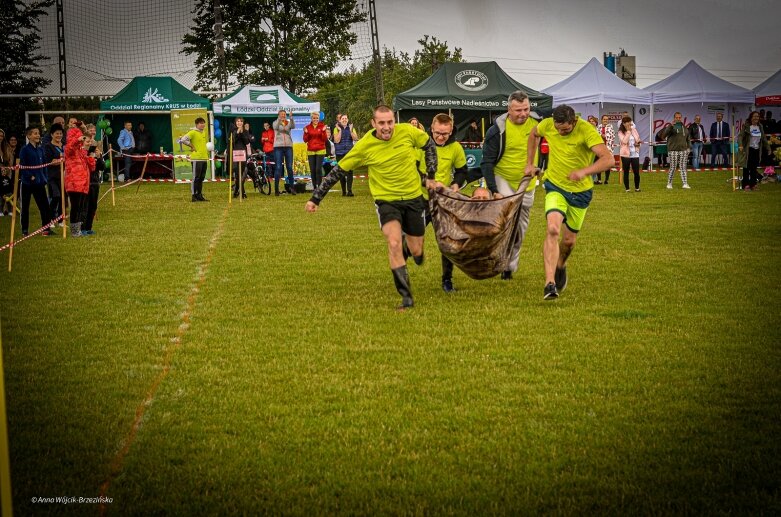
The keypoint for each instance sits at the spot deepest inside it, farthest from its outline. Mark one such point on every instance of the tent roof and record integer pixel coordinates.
(594, 83)
(467, 86)
(263, 100)
(154, 94)
(692, 83)
(768, 92)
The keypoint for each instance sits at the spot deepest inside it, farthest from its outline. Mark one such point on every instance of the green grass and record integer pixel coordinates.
(652, 386)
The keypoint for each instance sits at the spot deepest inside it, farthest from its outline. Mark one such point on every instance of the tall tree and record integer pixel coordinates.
(19, 58)
(287, 42)
(352, 91)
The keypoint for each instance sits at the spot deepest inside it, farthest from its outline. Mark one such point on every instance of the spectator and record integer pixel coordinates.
(751, 142)
(315, 138)
(6, 191)
(5, 157)
(416, 123)
(473, 136)
(127, 145)
(629, 141)
(678, 145)
(267, 139)
(33, 178)
(14, 149)
(719, 141)
(77, 172)
(53, 154)
(143, 139)
(240, 141)
(344, 140)
(697, 137)
(94, 150)
(47, 138)
(250, 136)
(283, 151)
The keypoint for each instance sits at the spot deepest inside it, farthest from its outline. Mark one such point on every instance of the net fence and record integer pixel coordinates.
(107, 44)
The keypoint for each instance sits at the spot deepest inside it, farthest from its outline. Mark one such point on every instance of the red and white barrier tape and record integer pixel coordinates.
(30, 235)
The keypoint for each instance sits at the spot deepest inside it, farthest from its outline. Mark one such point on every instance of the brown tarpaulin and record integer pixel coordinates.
(477, 236)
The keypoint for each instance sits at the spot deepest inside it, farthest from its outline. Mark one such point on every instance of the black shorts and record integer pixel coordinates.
(410, 213)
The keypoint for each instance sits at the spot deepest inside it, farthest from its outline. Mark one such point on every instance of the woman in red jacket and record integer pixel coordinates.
(315, 138)
(77, 169)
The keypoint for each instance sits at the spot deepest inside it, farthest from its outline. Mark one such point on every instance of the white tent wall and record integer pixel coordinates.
(615, 111)
(734, 113)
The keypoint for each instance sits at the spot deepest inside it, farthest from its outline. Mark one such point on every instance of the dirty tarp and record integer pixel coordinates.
(477, 236)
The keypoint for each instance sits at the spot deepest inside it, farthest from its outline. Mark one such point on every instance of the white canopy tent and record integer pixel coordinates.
(594, 90)
(768, 93)
(692, 90)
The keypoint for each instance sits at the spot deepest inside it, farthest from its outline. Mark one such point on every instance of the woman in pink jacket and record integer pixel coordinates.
(77, 168)
(629, 141)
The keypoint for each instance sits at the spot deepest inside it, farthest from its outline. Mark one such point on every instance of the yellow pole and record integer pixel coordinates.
(229, 156)
(143, 170)
(17, 173)
(62, 199)
(111, 174)
(5, 459)
(240, 184)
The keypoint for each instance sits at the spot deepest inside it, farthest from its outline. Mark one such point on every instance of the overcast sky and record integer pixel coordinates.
(538, 43)
(543, 42)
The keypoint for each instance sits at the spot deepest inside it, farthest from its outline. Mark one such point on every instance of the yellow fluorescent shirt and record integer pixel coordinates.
(513, 161)
(393, 175)
(198, 140)
(569, 153)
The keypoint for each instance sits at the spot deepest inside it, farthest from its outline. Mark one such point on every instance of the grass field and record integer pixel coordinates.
(195, 358)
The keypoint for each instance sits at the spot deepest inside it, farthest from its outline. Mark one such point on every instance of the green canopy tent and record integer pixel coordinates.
(466, 91)
(150, 100)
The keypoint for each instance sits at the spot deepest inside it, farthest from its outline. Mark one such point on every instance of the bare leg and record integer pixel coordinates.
(392, 232)
(550, 248)
(567, 244)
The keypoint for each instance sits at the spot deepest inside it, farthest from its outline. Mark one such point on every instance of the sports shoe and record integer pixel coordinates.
(560, 278)
(507, 275)
(88, 232)
(627, 191)
(447, 286)
(637, 190)
(550, 292)
(686, 186)
(669, 186)
(48, 232)
(350, 194)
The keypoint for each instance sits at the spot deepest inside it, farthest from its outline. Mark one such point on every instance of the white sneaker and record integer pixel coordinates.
(686, 186)
(669, 186)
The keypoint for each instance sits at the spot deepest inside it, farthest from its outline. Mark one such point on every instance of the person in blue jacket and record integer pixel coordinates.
(33, 180)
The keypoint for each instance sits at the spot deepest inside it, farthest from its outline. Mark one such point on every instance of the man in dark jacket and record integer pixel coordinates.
(34, 178)
(719, 141)
(143, 139)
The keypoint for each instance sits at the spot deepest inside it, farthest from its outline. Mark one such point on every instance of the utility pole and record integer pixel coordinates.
(220, 42)
(376, 54)
(61, 51)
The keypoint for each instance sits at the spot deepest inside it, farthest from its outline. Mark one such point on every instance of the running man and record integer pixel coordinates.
(573, 143)
(390, 151)
(451, 170)
(504, 160)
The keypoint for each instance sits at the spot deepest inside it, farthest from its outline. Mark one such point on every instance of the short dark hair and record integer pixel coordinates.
(55, 127)
(563, 114)
(442, 118)
(199, 120)
(380, 108)
(517, 96)
(30, 129)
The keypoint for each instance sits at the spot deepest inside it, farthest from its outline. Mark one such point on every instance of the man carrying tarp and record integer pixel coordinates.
(573, 143)
(504, 162)
(390, 152)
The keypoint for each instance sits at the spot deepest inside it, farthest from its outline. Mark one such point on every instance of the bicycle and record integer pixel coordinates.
(261, 177)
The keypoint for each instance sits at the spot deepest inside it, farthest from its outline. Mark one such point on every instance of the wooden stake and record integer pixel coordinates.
(240, 185)
(62, 199)
(17, 173)
(111, 175)
(143, 170)
(230, 170)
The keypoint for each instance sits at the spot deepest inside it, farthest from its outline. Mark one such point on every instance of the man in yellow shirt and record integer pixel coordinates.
(568, 185)
(504, 162)
(390, 151)
(196, 140)
(451, 170)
